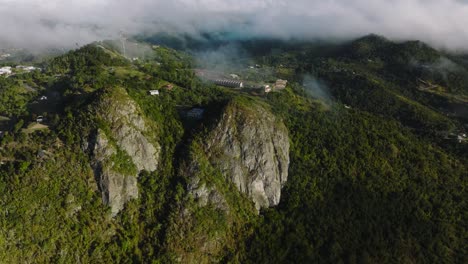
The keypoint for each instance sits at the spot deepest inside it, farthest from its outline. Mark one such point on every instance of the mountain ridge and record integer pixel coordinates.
(368, 134)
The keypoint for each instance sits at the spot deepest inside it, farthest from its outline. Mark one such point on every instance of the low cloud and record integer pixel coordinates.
(63, 23)
(316, 88)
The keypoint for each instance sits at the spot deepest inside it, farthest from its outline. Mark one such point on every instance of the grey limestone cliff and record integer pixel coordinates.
(121, 147)
(232, 170)
(250, 146)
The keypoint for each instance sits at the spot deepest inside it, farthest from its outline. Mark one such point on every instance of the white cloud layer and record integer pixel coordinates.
(43, 23)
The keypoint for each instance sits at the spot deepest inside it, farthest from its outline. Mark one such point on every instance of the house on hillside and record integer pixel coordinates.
(280, 84)
(26, 68)
(5, 70)
(229, 83)
(4, 56)
(154, 92)
(267, 88)
(461, 137)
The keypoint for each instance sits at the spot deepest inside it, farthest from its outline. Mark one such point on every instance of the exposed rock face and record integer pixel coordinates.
(125, 138)
(251, 148)
(204, 194)
(231, 172)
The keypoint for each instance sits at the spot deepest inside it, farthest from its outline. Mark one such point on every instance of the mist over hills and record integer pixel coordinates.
(210, 131)
(328, 152)
(54, 23)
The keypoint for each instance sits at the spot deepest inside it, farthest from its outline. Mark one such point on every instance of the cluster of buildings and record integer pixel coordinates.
(4, 56)
(26, 68)
(267, 88)
(7, 70)
(229, 83)
(280, 84)
(234, 81)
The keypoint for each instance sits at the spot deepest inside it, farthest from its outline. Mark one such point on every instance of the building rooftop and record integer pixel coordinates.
(229, 83)
(280, 84)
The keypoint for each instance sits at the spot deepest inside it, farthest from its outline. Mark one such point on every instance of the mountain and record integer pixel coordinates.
(362, 156)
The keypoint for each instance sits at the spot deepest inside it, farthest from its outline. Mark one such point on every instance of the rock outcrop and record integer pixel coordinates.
(231, 172)
(205, 194)
(250, 146)
(121, 147)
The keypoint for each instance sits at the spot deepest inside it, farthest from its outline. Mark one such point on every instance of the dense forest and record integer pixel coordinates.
(377, 157)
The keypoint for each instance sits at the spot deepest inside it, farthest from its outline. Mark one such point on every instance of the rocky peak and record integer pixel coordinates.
(232, 171)
(121, 147)
(251, 148)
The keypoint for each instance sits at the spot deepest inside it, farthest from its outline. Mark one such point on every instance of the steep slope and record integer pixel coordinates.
(365, 182)
(362, 189)
(122, 146)
(232, 171)
(422, 88)
(250, 146)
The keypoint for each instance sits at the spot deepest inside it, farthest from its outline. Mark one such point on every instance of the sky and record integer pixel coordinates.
(63, 23)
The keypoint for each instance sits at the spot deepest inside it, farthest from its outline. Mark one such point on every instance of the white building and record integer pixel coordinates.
(461, 137)
(5, 70)
(26, 68)
(234, 76)
(229, 83)
(154, 92)
(280, 84)
(4, 56)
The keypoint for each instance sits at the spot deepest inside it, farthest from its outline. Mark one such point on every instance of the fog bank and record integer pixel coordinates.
(65, 23)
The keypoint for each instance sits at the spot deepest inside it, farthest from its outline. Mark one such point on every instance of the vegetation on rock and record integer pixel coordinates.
(373, 130)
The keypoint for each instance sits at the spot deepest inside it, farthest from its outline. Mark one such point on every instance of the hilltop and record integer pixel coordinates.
(351, 152)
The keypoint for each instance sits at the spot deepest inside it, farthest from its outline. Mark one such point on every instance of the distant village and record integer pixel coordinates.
(231, 80)
(235, 81)
(8, 70)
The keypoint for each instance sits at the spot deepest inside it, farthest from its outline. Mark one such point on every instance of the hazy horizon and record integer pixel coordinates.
(53, 23)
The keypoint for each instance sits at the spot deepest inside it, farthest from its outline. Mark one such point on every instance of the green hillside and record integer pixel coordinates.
(100, 171)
